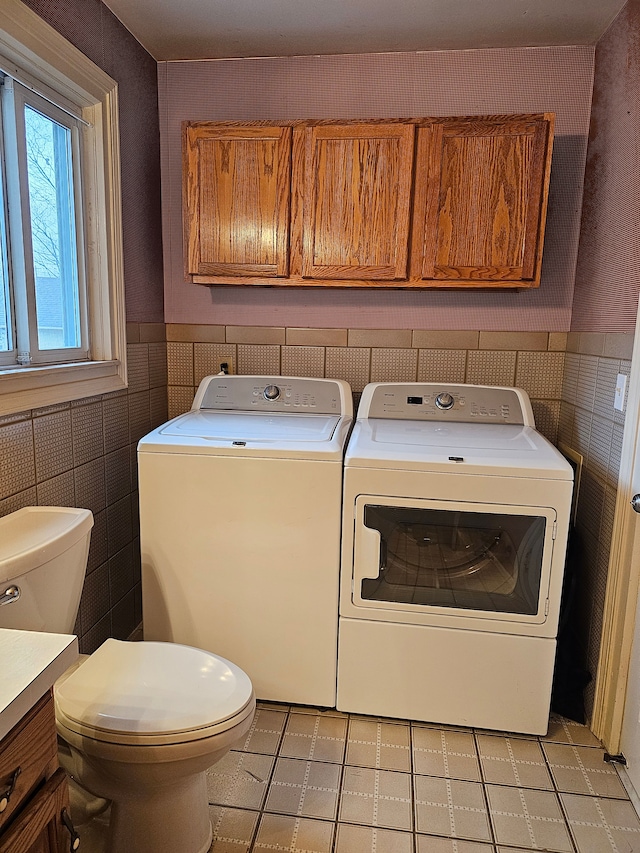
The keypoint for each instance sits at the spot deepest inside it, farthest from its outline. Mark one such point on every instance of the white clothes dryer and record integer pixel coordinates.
(456, 515)
(240, 515)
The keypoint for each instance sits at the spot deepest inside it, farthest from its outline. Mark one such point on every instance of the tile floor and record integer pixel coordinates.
(309, 781)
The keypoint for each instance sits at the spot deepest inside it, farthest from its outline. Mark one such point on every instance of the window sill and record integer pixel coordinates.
(33, 387)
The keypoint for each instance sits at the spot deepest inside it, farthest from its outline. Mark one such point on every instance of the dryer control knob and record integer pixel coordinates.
(271, 392)
(445, 400)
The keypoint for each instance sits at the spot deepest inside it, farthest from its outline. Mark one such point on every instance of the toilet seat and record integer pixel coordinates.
(152, 694)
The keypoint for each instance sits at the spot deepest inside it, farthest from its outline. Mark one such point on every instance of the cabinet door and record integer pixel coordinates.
(39, 827)
(356, 198)
(481, 197)
(236, 200)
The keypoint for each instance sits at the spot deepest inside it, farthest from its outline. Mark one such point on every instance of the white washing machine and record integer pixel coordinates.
(240, 515)
(456, 514)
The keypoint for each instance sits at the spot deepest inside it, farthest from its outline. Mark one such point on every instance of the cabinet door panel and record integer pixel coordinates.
(357, 189)
(480, 211)
(237, 200)
(38, 828)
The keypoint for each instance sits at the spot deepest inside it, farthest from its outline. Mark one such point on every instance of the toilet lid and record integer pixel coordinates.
(153, 689)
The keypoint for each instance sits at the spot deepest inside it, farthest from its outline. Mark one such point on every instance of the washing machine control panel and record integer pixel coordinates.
(439, 402)
(270, 394)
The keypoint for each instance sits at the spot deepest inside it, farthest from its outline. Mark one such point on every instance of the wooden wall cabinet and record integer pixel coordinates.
(481, 201)
(410, 203)
(31, 819)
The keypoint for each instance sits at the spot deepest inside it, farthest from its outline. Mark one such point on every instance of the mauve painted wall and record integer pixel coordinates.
(555, 79)
(94, 30)
(608, 270)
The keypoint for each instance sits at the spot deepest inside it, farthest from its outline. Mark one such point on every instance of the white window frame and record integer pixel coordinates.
(36, 54)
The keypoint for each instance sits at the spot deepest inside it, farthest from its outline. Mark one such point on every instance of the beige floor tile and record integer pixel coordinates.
(376, 798)
(239, 779)
(384, 746)
(304, 788)
(233, 829)
(513, 761)
(314, 737)
(272, 706)
(602, 826)
(294, 834)
(526, 818)
(265, 732)
(431, 844)
(351, 838)
(562, 730)
(322, 712)
(451, 807)
(583, 770)
(442, 752)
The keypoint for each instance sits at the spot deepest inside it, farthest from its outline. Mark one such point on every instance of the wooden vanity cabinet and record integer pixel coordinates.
(415, 203)
(32, 819)
(481, 200)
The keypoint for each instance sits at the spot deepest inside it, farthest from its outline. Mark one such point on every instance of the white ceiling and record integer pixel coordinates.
(208, 29)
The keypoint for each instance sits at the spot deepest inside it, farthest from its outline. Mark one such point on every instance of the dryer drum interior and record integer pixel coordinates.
(479, 561)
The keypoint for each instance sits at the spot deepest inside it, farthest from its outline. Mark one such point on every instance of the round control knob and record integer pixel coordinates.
(271, 392)
(445, 400)
(635, 503)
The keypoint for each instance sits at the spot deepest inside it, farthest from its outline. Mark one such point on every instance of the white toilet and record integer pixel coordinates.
(143, 721)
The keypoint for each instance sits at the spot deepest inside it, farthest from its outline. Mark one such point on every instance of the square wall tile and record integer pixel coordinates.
(540, 374)
(59, 491)
(138, 367)
(490, 367)
(86, 429)
(302, 361)
(179, 400)
(27, 497)
(258, 360)
(18, 471)
(349, 363)
(115, 422)
(158, 365)
(52, 443)
(207, 359)
(393, 364)
(179, 363)
(547, 417)
(442, 365)
(139, 415)
(431, 844)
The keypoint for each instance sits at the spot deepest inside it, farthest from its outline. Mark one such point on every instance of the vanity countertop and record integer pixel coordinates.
(30, 662)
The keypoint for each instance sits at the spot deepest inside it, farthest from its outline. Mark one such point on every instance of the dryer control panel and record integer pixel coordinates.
(427, 401)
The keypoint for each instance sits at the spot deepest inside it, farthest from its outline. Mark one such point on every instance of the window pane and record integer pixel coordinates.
(53, 229)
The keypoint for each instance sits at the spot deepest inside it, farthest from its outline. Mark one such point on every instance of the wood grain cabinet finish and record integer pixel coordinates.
(356, 201)
(236, 200)
(32, 820)
(405, 203)
(481, 201)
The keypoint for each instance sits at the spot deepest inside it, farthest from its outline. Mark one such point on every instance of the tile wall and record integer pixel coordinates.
(83, 453)
(591, 426)
(531, 360)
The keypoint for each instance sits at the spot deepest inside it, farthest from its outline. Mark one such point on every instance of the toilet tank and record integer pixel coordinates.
(43, 553)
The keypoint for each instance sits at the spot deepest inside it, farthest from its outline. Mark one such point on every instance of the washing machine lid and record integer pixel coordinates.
(276, 435)
(151, 689)
(507, 450)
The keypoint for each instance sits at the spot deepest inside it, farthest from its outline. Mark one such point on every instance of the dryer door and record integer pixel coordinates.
(421, 559)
